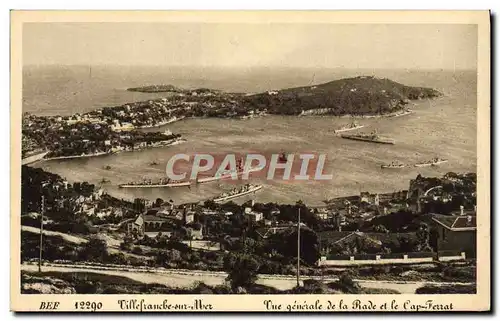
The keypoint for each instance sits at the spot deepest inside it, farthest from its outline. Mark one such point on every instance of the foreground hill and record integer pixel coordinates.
(355, 96)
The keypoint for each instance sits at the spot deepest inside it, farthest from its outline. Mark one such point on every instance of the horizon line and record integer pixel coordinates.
(240, 67)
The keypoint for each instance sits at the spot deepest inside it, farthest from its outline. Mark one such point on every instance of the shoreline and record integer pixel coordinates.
(180, 141)
(388, 115)
(78, 156)
(162, 124)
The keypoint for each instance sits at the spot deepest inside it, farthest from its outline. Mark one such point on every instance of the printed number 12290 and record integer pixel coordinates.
(88, 305)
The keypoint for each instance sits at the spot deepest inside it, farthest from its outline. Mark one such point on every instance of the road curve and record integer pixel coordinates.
(185, 278)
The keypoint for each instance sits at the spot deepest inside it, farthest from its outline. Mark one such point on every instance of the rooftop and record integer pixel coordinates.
(456, 223)
(336, 236)
(154, 218)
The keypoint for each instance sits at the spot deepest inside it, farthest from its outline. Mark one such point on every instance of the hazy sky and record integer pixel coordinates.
(252, 45)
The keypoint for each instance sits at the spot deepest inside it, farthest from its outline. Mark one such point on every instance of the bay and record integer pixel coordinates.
(444, 127)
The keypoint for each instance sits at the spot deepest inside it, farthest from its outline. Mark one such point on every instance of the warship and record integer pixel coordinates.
(432, 162)
(345, 128)
(237, 192)
(393, 165)
(371, 138)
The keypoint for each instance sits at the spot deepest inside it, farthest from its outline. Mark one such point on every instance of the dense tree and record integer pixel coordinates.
(94, 250)
(406, 244)
(159, 202)
(139, 205)
(210, 204)
(423, 239)
(347, 284)
(395, 222)
(380, 229)
(309, 245)
(242, 269)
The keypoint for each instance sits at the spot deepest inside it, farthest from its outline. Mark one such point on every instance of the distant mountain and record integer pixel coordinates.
(355, 96)
(156, 89)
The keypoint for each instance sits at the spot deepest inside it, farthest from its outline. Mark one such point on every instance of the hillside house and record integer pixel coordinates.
(196, 232)
(151, 225)
(322, 213)
(456, 233)
(253, 215)
(352, 243)
(267, 231)
(372, 199)
(348, 242)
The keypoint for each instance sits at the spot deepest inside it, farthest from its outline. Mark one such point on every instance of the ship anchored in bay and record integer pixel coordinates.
(352, 126)
(373, 137)
(166, 182)
(433, 162)
(237, 192)
(394, 165)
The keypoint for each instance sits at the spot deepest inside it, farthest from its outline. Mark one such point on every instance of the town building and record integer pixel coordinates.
(348, 242)
(253, 215)
(456, 233)
(151, 225)
(136, 226)
(267, 231)
(372, 199)
(356, 242)
(119, 127)
(322, 213)
(196, 232)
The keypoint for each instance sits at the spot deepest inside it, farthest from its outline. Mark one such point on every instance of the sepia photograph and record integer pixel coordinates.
(250, 154)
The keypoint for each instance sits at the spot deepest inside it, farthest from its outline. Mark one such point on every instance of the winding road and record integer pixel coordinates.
(186, 278)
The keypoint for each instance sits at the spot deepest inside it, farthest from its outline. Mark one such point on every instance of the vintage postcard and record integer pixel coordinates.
(277, 161)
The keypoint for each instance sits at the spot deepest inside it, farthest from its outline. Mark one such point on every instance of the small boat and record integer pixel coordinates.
(107, 167)
(433, 162)
(105, 180)
(345, 128)
(151, 184)
(393, 165)
(402, 113)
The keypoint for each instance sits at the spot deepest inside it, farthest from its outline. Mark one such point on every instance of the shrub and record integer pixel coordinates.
(94, 250)
(315, 286)
(397, 270)
(135, 261)
(137, 250)
(199, 266)
(125, 246)
(222, 289)
(202, 288)
(346, 284)
(383, 269)
(379, 291)
(466, 273)
(118, 258)
(88, 287)
(450, 289)
(270, 267)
